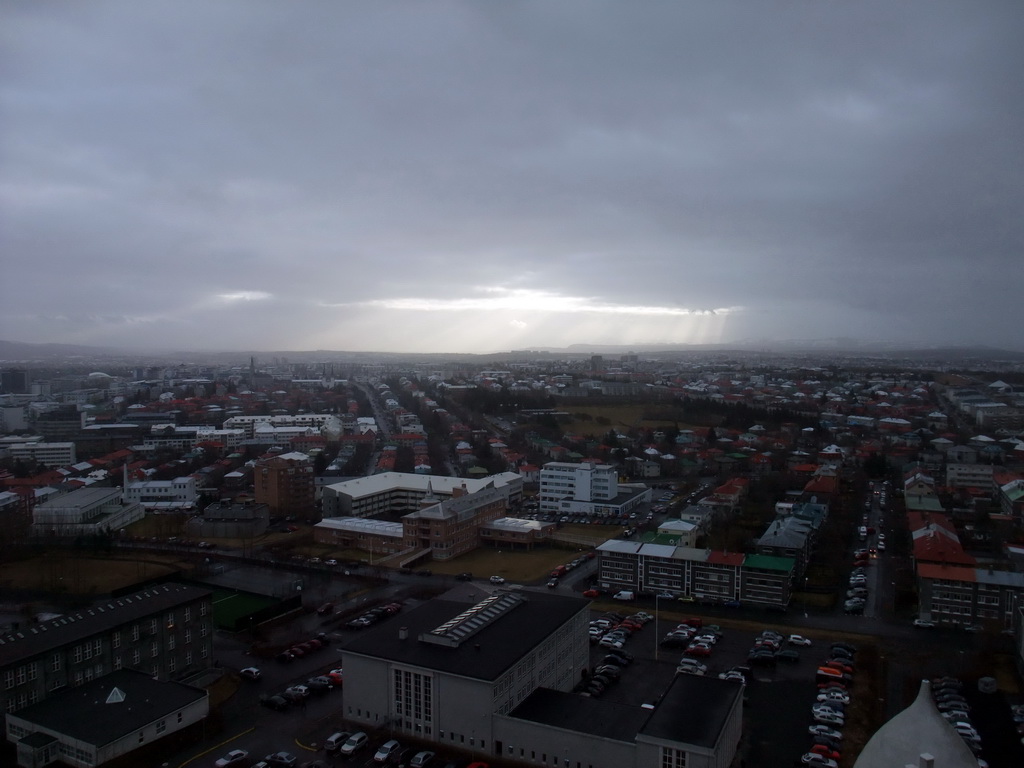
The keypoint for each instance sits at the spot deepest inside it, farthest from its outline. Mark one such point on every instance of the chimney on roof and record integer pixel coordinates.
(403, 633)
(926, 761)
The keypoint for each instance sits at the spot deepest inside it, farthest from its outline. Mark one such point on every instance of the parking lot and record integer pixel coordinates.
(777, 700)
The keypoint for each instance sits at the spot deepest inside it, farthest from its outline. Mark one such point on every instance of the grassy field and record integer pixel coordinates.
(71, 574)
(620, 417)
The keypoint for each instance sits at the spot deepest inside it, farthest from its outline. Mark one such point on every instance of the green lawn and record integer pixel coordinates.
(229, 606)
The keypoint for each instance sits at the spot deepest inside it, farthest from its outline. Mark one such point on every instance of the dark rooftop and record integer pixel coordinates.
(83, 713)
(557, 709)
(693, 710)
(492, 648)
(78, 625)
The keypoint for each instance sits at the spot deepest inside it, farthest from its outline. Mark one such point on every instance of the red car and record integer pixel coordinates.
(821, 749)
(591, 593)
(698, 650)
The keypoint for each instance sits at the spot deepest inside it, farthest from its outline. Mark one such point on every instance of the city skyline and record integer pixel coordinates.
(476, 177)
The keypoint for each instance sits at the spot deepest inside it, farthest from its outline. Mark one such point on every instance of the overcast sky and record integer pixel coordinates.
(484, 176)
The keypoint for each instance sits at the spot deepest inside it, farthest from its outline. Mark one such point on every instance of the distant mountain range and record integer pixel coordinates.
(20, 353)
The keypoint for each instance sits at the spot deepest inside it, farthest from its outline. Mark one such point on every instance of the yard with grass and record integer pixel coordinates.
(596, 420)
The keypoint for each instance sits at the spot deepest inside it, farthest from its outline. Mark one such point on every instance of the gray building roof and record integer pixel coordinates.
(788, 533)
(557, 709)
(493, 647)
(48, 635)
(694, 710)
(90, 713)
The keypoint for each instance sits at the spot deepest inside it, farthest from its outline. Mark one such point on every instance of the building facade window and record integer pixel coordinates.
(672, 758)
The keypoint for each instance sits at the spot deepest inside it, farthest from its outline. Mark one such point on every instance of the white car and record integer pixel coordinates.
(497, 580)
(826, 717)
(421, 759)
(842, 698)
(923, 623)
(799, 640)
(251, 673)
(685, 669)
(354, 743)
(386, 751)
(232, 758)
(824, 730)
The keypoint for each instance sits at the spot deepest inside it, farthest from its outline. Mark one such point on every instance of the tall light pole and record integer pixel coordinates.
(657, 615)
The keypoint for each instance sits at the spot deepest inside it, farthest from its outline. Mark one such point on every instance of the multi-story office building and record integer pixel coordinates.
(50, 454)
(180, 491)
(165, 631)
(587, 488)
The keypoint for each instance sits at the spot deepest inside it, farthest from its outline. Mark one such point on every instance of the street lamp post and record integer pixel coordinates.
(657, 614)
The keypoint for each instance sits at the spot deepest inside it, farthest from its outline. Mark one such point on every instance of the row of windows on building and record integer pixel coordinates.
(23, 699)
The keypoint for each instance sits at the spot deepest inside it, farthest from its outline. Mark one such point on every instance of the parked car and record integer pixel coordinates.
(251, 673)
(386, 751)
(319, 684)
(233, 758)
(825, 717)
(824, 730)
(277, 703)
(843, 698)
(924, 624)
(333, 742)
(354, 743)
(281, 760)
(497, 579)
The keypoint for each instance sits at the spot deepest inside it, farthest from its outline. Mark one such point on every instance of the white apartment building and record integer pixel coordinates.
(50, 454)
(968, 475)
(181, 490)
(324, 423)
(585, 488)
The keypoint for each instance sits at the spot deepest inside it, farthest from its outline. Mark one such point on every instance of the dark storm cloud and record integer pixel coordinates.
(510, 174)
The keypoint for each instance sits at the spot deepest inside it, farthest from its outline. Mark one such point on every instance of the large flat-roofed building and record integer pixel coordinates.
(696, 723)
(123, 712)
(398, 493)
(493, 674)
(462, 658)
(165, 631)
(86, 511)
